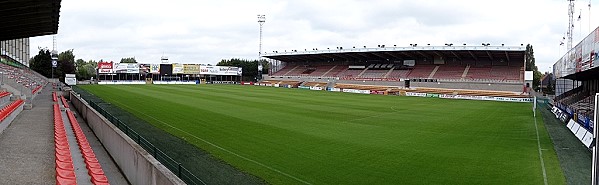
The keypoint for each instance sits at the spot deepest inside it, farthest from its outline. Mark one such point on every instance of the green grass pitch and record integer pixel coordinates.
(292, 136)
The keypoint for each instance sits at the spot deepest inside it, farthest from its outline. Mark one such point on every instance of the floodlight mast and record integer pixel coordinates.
(261, 21)
(570, 23)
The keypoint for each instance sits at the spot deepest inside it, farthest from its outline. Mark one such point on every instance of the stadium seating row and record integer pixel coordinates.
(36, 89)
(54, 97)
(65, 171)
(26, 78)
(64, 102)
(442, 72)
(91, 162)
(9, 109)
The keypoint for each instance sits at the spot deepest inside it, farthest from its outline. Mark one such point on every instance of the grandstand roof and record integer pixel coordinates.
(590, 74)
(28, 18)
(505, 53)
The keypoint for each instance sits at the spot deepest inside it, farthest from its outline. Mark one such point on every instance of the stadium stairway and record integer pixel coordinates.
(27, 147)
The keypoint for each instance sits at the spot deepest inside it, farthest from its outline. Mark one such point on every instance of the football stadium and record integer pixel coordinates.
(417, 114)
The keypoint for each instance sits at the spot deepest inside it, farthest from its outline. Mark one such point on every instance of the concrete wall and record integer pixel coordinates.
(138, 166)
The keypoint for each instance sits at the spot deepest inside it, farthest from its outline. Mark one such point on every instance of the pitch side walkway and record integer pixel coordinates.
(27, 147)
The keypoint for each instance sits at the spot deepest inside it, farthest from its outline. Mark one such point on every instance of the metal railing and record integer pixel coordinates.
(170, 163)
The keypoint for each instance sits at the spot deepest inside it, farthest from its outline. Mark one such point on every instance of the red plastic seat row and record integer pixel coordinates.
(65, 171)
(9, 109)
(36, 89)
(54, 98)
(64, 102)
(4, 94)
(91, 162)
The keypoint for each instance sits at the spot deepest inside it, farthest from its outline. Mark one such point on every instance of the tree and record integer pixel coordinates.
(42, 62)
(66, 64)
(249, 67)
(86, 70)
(531, 66)
(128, 60)
(530, 58)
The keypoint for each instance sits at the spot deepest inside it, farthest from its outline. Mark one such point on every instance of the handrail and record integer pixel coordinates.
(174, 166)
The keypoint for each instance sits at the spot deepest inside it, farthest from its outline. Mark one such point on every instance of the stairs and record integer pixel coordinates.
(466, 71)
(388, 72)
(325, 74)
(361, 73)
(290, 71)
(433, 73)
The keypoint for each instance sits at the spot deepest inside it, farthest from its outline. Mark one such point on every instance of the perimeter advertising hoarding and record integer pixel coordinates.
(125, 68)
(105, 67)
(220, 70)
(191, 69)
(154, 68)
(144, 68)
(580, 58)
(177, 68)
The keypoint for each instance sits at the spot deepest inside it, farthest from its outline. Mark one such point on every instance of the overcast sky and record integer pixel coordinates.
(199, 31)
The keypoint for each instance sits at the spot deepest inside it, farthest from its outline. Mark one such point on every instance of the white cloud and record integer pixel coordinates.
(207, 31)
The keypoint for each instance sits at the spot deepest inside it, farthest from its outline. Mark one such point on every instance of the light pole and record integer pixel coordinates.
(261, 21)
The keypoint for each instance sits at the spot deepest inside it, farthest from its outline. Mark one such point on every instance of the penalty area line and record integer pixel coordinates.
(224, 149)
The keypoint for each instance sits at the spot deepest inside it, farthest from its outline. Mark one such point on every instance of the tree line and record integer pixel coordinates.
(249, 67)
(66, 64)
(86, 69)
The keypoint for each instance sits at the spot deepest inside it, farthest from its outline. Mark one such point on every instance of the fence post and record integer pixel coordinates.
(179, 171)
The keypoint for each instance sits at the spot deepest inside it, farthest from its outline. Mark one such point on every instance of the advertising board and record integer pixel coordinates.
(105, 67)
(221, 70)
(415, 94)
(357, 91)
(155, 68)
(125, 68)
(177, 68)
(191, 69)
(580, 58)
